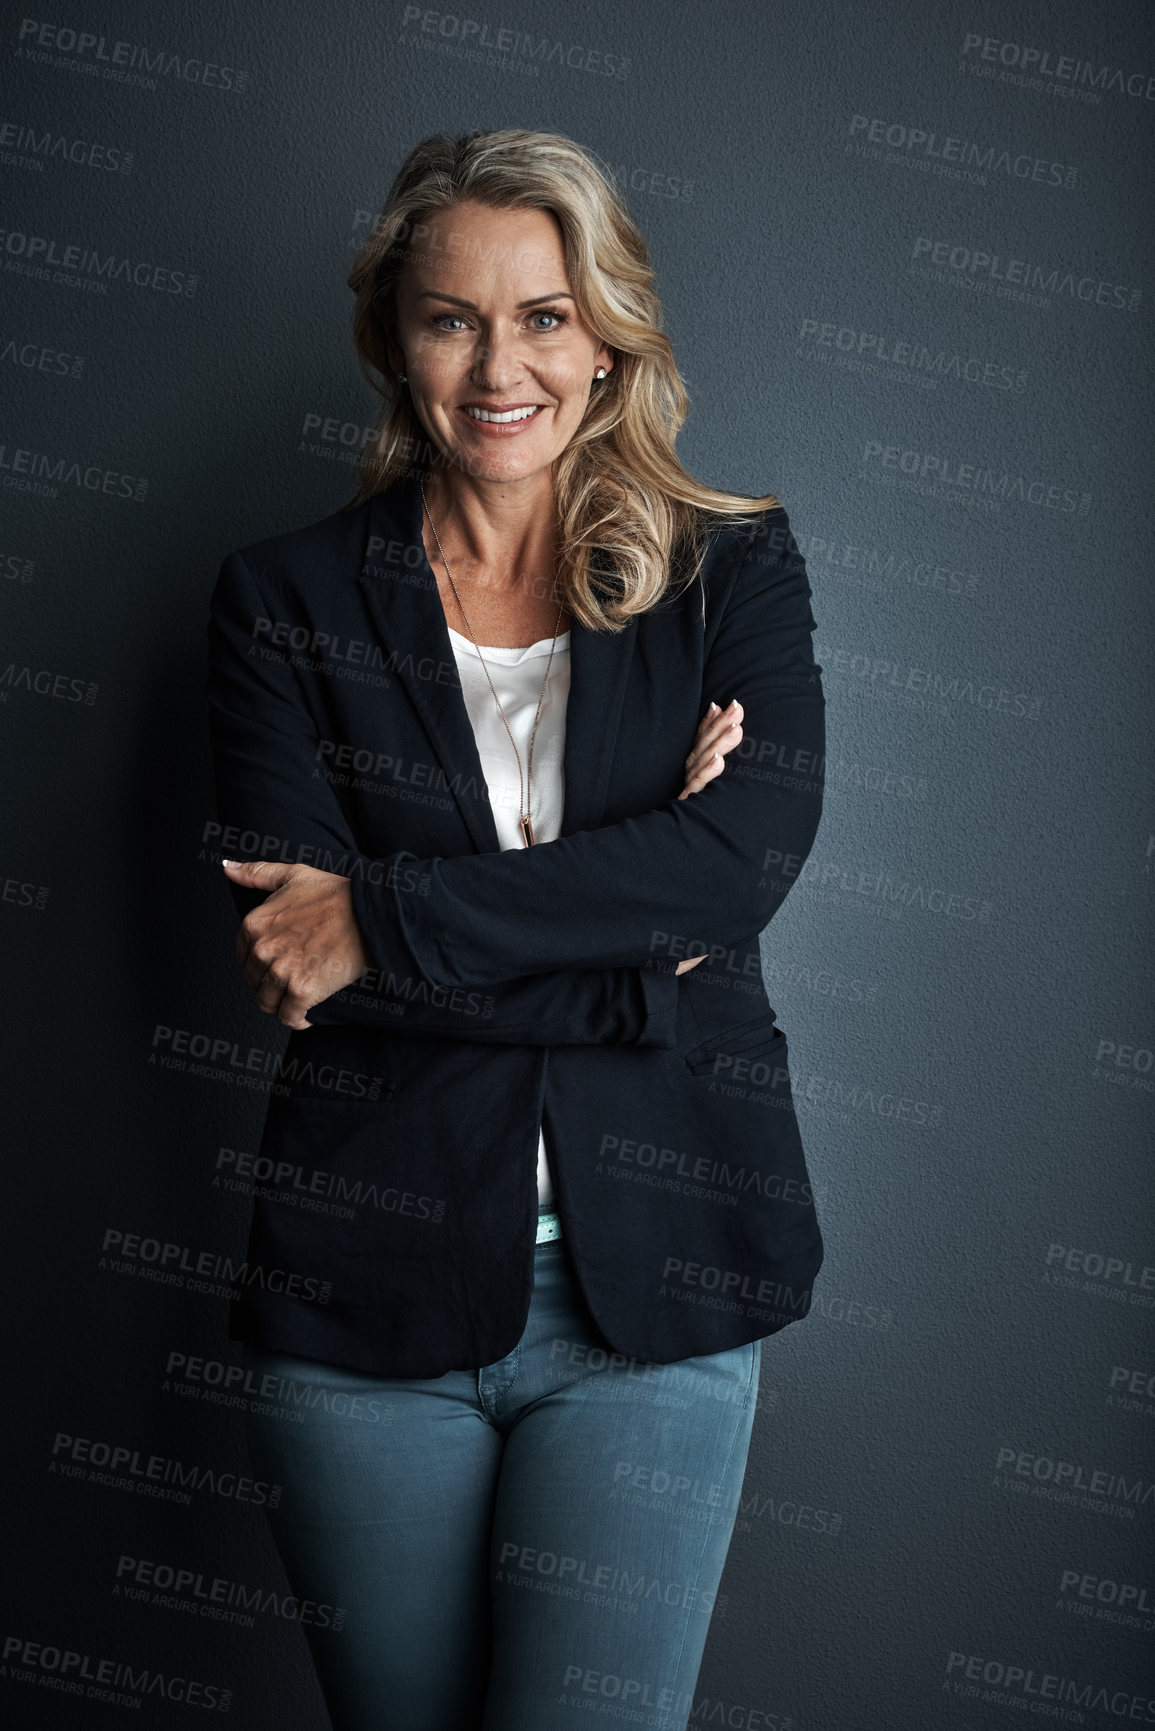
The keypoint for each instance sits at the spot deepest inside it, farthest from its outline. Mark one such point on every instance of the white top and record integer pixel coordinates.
(517, 676)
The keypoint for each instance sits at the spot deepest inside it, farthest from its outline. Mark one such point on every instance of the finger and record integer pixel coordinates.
(270, 992)
(292, 989)
(257, 874)
(690, 962)
(293, 1008)
(258, 963)
(724, 722)
(266, 966)
(708, 726)
(716, 717)
(726, 741)
(719, 727)
(698, 779)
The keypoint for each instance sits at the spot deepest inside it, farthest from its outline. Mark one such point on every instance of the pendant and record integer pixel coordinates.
(526, 830)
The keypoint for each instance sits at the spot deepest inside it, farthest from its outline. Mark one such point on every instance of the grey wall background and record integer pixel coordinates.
(937, 351)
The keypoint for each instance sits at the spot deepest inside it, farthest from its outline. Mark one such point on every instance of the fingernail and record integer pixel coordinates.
(713, 706)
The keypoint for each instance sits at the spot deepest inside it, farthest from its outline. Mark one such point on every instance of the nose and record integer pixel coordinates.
(495, 361)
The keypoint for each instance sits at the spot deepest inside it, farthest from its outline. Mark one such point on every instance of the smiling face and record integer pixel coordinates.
(500, 363)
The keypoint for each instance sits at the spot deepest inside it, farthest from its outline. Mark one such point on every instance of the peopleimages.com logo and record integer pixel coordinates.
(1023, 63)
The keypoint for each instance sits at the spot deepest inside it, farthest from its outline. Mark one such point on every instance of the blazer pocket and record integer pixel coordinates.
(748, 1040)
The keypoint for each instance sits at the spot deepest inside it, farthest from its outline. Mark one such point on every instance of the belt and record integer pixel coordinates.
(548, 1226)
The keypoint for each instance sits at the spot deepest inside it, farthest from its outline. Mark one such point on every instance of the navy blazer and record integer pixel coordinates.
(395, 1206)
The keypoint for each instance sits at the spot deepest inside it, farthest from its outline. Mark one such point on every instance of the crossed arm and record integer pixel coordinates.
(723, 858)
(304, 946)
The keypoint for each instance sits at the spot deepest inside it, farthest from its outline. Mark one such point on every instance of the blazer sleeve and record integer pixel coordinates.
(264, 752)
(711, 869)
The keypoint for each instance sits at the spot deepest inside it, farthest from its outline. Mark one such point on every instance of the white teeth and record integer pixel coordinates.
(510, 415)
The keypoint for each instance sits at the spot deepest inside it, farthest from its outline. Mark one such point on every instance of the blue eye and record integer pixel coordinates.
(438, 321)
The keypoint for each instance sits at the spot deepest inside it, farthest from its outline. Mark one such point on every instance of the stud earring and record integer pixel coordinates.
(403, 377)
(600, 374)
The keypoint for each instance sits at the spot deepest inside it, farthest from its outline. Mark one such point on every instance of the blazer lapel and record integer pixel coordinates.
(599, 663)
(402, 594)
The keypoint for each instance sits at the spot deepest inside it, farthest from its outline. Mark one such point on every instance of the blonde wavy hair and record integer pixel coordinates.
(628, 512)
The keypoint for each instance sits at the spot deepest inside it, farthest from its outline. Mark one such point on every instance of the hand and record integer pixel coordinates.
(302, 944)
(719, 731)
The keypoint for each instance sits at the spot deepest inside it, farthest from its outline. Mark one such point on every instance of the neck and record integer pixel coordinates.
(501, 533)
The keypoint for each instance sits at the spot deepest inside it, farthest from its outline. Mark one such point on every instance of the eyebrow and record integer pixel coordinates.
(437, 295)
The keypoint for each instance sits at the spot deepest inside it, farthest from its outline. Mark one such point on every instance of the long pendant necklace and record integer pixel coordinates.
(524, 822)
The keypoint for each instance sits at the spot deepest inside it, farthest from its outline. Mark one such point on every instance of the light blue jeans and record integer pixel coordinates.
(508, 1549)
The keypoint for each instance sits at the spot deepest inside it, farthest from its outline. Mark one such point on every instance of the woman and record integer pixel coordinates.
(456, 726)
